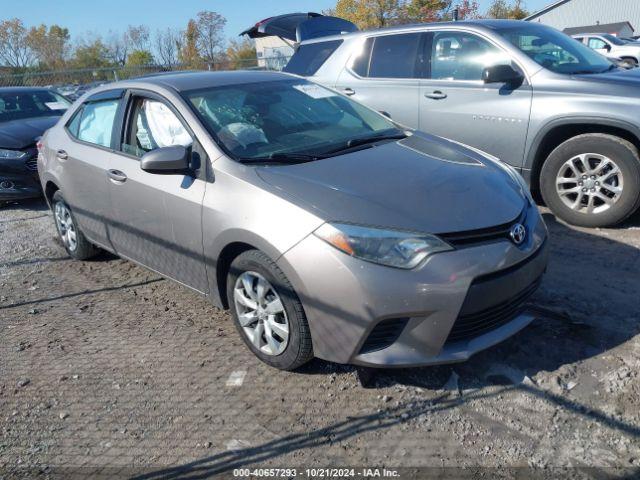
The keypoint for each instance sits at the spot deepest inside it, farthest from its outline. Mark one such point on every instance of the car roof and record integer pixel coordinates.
(193, 80)
(490, 24)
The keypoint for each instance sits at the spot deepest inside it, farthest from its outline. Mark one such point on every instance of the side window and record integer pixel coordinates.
(463, 56)
(153, 125)
(360, 60)
(395, 56)
(94, 122)
(579, 39)
(596, 43)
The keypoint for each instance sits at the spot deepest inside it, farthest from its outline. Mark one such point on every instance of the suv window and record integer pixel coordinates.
(310, 57)
(463, 56)
(153, 125)
(93, 122)
(395, 56)
(596, 43)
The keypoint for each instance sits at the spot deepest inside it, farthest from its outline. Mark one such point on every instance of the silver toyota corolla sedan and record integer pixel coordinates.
(327, 229)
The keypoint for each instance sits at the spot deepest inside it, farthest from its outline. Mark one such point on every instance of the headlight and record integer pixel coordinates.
(11, 154)
(385, 247)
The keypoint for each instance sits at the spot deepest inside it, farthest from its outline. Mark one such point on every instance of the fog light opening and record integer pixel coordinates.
(6, 184)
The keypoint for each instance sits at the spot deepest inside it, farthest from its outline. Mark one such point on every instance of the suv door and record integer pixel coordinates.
(158, 217)
(385, 75)
(457, 104)
(85, 158)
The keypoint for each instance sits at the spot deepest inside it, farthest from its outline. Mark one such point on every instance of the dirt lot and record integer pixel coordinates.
(105, 368)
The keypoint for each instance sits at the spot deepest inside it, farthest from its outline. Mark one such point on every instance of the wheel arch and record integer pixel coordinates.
(556, 132)
(50, 189)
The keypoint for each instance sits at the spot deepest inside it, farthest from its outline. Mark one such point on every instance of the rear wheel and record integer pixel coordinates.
(72, 238)
(267, 312)
(592, 180)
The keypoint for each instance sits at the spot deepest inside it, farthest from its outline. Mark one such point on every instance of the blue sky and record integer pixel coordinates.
(100, 16)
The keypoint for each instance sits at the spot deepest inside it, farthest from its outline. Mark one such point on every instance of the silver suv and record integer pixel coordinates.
(612, 47)
(563, 115)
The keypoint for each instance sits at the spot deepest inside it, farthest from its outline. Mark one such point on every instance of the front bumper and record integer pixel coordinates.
(345, 298)
(19, 178)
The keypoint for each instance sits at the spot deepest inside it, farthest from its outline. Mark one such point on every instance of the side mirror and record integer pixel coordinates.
(174, 159)
(607, 47)
(501, 74)
(385, 113)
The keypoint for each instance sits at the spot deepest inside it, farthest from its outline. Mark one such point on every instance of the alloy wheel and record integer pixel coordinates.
(589, 183)
(261, 313)
(66, 227)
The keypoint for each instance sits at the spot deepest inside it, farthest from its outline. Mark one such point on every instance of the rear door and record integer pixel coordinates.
(85, 156)
(158, 217)
(385, 75)
(455, 102)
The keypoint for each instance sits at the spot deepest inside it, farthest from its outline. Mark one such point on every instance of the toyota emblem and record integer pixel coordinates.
(518, 233)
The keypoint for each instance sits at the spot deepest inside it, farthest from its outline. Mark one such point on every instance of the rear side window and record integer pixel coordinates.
(310, 57)
(93, 123)
(395, 56)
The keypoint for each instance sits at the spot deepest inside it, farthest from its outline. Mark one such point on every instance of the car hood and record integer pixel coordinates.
(18, 134)
(618, 77)
(421, 183)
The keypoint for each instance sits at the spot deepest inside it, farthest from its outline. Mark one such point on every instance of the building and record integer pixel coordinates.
(273, 53)
(602, 16)
(620, 29)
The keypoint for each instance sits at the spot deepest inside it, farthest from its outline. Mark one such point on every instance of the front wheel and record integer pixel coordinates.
(72, 238)
(267, 312)
(592, 180)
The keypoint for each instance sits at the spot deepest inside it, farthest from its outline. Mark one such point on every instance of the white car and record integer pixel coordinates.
(612, 47)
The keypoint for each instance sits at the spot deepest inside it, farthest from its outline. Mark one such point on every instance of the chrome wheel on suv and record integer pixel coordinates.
(589, 183)
(261, 313)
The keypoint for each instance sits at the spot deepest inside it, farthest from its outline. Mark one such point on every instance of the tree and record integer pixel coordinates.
(428, 10)
(92, 53)
(117, 48)
(242, 54)
(189, 54)
(50, 46)
(14, 48)
(139, 58)
(168, 44)
(137, 37)
(209, 40)
(369, 13)
(468, 10)
(504, 9)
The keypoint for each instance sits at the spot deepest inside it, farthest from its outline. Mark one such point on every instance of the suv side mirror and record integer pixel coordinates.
(174, 159)
(501, 74)
(607, 47)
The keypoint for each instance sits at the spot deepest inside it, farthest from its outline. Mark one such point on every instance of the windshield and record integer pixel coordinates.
(19, 104)
(612, 39)
(554, 50)
(284, 117)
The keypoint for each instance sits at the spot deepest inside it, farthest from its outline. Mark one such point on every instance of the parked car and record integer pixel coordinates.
(563, 115)
(326, 229)
(612, 47)
(25, 113)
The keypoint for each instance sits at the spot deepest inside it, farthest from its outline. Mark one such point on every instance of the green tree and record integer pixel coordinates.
(209, 27)
(242, 54)
(369, 13)
(504, 9)
(91, 54)
(138, 58)
(189, 55)
(428, 10)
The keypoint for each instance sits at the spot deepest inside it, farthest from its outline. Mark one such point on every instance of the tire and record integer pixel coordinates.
(629, 62)
(81, 248)
(297, 350)
(616, 196)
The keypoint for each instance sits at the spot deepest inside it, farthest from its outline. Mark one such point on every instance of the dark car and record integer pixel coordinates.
(25, 114)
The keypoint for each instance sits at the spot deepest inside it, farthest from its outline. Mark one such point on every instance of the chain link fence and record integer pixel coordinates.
(74, 82)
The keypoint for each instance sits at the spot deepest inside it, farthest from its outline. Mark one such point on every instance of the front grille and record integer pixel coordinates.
(384, 334)
(32, 164)
(475, 324)
(482, 235)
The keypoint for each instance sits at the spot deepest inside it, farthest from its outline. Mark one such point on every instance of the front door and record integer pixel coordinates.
(157, 217)
(457, 104)
(385, 76)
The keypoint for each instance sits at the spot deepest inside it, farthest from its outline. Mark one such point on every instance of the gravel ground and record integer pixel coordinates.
(105, 368)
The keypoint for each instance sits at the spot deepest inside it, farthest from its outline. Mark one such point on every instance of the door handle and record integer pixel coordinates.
(62, 155)
(437, 95)
(348, 91)
(117, 176)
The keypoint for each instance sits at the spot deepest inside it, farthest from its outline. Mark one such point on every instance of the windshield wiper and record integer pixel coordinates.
(357, 142)
(282, 158)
